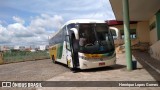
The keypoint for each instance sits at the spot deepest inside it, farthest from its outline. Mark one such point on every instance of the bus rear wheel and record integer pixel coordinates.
(53, 59)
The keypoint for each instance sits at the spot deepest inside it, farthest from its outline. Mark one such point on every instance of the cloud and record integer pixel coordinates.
(19, 30)
(91, 9)
(66, 8)
(35, 33)
(30, 22)
(4, 35)
(18, 20)
(3, 22)
(47, 21)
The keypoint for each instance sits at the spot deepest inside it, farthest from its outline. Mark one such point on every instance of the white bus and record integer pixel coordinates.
(83, 44)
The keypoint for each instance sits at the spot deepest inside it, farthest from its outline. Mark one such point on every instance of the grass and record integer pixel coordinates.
(17, 56)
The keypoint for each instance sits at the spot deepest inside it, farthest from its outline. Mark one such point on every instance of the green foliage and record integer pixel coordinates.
(16, 56)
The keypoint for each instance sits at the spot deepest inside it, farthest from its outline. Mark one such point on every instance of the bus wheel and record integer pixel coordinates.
(53, 59)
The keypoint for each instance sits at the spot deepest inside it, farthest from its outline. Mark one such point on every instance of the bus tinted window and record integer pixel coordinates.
(59, 37)
(71, 26)
(95, 38)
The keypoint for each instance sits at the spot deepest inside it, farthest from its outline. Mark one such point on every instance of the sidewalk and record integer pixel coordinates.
(150, 64)
(117, 73)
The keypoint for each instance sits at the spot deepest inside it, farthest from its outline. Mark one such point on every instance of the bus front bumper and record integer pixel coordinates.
(86, 64)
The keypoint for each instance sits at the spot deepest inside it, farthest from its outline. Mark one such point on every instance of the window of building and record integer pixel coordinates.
(133, 34)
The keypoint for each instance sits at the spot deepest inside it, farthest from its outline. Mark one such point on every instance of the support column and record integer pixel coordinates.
(158, 24)
(127, 34)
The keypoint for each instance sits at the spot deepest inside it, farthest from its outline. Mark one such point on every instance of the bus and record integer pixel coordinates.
(83, 44)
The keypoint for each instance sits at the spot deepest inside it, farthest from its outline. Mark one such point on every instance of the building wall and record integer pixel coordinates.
(153, 31)
(119, 40)
(153, 36)
(144, 34)
(120, 27)
(155, 50)
(155, 44)
(143, 31)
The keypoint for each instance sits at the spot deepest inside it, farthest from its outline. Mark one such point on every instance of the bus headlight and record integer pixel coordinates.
(82, 57)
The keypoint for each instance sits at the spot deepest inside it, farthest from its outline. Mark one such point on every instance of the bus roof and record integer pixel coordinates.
(84, 21)
(80, 21)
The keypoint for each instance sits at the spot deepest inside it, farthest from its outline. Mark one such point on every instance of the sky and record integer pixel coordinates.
(31, 22)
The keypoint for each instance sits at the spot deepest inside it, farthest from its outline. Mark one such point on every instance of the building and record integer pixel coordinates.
(4, 48)
(21, 48)
(42, 47)
(147, 15)
(118, 32)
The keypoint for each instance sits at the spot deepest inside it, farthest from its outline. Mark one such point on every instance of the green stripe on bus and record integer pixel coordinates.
(59, 50)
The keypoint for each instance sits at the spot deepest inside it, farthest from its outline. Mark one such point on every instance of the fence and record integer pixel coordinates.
(17, 56)
(1, 58)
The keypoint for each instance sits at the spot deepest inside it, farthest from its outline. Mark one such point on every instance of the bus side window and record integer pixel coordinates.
(114, 34)
(64, 33)
(67, 43)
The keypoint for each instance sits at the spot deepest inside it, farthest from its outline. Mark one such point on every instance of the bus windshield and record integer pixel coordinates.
(95, 38)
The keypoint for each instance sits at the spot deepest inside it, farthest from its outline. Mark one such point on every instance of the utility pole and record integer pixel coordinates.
(127, 34)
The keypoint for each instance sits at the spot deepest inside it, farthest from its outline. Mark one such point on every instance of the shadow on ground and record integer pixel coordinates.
(114, 67)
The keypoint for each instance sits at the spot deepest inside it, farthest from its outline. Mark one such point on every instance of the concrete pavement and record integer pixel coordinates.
(116, 73)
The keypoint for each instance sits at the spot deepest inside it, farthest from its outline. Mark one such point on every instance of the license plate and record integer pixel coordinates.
(102, 64)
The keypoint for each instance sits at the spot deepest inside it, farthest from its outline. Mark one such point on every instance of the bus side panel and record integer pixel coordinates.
(64, 61)
(53, 51)
(61, 53)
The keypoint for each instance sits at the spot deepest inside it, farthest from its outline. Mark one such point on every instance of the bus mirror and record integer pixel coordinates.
(76, 45)
(75, 32)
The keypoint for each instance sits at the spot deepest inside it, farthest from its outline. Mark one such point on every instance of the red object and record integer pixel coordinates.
(102, 64)
(115, 22)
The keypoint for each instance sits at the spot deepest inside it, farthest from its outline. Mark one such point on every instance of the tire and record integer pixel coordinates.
(53, 59)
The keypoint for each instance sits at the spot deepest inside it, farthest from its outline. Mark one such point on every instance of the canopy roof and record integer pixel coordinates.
(140, 10)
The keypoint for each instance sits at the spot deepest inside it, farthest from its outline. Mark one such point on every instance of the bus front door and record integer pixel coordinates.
(72, 54)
